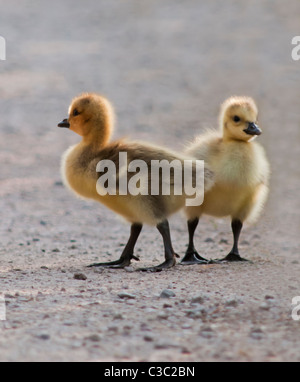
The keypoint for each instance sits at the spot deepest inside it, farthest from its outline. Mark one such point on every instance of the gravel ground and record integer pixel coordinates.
(166, 65)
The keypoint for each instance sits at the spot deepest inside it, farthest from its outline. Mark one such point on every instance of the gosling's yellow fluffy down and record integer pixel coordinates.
(92, 117)
(241, 172)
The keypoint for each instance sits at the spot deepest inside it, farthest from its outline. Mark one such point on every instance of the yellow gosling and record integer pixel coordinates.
(241, 172)
(92, 117)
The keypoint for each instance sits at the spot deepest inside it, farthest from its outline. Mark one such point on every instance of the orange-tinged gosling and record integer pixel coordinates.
(92, 117)
(241, 172)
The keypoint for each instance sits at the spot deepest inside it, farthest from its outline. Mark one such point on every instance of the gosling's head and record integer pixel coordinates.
(239, 119)
(91, 116)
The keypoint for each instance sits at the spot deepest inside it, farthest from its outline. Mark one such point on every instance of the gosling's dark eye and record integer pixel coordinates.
(236, 119)
(75, 113)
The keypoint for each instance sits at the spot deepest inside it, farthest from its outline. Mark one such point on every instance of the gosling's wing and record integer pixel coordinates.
(262, 164)
(162, 183)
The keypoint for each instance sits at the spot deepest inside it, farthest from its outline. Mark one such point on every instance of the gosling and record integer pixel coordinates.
(92, 117)
(241, 172)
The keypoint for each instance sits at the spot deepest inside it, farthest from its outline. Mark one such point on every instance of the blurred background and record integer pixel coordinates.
(166, 65)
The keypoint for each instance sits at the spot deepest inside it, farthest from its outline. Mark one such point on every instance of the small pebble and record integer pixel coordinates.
(125, 295)
(223, 241)
(80, 276)
(257, 334)
(186, 326)
(197, 300)
(68, 323)
(94, 338)
(207, 332)
(165, 345)
(129, 269)
(200, 312)
(113, 328)
(265, 306)
(231, 303)
(44, 337)
(167, 293)
(269, 297)
(148, 338)
(162, 316)
(118, 316)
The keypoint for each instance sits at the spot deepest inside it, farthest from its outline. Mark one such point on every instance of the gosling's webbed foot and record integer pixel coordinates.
(233, 257)
(192, 258)
(166, 265)
(118, 264)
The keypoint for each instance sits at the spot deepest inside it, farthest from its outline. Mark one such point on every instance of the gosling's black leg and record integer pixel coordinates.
(234, 255)
(192, 256)
(127, 254)
(170, 254)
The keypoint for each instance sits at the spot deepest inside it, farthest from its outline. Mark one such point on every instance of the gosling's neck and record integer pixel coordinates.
(99, 136)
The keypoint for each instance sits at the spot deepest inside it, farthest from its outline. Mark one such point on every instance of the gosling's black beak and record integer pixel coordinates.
(253, 129)
(64, 123)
